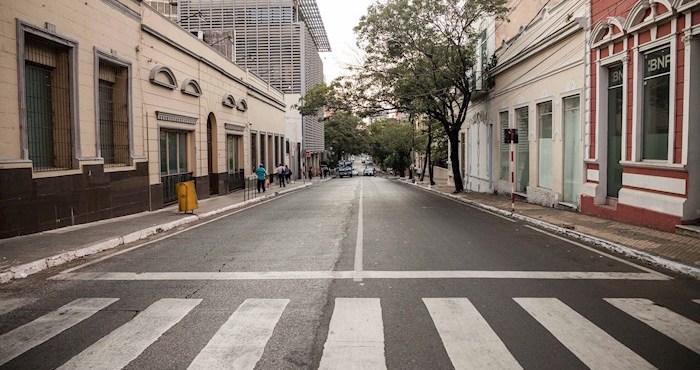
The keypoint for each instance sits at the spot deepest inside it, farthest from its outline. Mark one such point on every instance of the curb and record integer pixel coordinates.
(26, 269)
(606, 244)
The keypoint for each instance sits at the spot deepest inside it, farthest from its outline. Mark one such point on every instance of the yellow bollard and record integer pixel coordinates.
(186, 196)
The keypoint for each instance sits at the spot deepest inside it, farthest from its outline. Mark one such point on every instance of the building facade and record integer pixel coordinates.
(643, 127)
(538, 90)
(99, 126)
(278, 40)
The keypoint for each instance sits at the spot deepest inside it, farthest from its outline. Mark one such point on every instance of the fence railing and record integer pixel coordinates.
(169, 182)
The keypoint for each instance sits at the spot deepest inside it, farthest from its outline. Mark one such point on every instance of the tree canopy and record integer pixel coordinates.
(345, 135)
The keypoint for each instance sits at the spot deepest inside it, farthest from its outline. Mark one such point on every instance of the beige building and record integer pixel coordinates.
(107, 104)
(539, 85)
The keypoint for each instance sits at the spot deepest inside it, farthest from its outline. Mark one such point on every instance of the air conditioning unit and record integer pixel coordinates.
(198, 33)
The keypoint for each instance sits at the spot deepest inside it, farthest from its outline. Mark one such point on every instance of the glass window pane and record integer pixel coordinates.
(163, 153)
(656, 111)
(182, 152)
(172, 152)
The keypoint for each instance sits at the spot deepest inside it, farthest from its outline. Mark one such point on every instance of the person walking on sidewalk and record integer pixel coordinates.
(281, 173)
(287, 174)
(260, 171)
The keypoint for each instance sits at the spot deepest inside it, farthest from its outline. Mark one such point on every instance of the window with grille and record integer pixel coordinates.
(254, 149)
(505, 148)
(173, 152)
(47, 98)
(114, 113)
(544, 120)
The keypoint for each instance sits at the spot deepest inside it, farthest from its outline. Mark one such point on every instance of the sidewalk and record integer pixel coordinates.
(676, 252)
(25, 255)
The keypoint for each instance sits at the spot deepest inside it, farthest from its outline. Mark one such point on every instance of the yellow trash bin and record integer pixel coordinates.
(186, 196)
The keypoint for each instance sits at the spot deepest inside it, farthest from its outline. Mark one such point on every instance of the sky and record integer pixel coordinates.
(339, 18)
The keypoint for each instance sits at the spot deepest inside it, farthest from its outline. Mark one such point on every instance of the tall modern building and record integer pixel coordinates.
(278, 40)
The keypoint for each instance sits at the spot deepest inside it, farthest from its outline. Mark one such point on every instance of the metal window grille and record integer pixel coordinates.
(48, 109)
(254, 150)
(114, 114)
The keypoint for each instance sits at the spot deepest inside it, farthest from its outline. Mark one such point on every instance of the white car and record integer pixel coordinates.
(354, 172)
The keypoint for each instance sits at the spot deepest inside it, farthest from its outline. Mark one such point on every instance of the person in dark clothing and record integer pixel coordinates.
(281, 174)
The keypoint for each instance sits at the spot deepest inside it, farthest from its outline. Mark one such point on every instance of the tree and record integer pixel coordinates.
(345, 133)
(420, 58)
(390, 143)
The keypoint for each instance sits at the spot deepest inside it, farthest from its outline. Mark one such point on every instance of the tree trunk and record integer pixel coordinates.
(454, 158)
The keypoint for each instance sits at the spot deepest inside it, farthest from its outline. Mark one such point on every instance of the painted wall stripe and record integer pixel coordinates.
(468, 339)
(311, 275)
(355, 336)
(240, 342)
(124, 344)
(666, 184)
(593, 346)
(32, 334)
(671, 324)
(11, 304)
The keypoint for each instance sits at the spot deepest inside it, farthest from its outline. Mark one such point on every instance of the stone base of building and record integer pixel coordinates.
(630, 214)
(542, 196)
(30, 205)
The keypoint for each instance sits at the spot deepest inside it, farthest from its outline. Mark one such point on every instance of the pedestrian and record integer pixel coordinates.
(281, 173)
(311, 174)
(260, 171)
(287, 174)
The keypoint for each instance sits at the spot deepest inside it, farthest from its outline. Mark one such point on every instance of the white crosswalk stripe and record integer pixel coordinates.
(593, 346)
(11, 304)
(468, 339)
(240, 342)
(355, 333)
(671, 324)
(355, 336)
(124, 344)
(30, 335)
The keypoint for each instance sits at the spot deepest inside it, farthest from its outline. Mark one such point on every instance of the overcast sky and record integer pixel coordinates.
(339, 18)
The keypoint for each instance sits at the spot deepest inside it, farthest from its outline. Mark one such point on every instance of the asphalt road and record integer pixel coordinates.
(360, 272)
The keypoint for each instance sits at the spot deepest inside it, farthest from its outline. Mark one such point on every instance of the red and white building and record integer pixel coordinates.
(642, 137)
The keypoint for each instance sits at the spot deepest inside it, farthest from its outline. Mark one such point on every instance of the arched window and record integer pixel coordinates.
(163, 76)
(191, 87)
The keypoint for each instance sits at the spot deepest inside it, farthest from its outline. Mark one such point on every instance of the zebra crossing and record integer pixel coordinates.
(355, 338)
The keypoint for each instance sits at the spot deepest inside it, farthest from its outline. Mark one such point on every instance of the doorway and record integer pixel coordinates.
(572, 149)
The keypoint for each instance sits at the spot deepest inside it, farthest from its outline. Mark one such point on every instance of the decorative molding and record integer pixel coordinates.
(172, 117)
(687, 37)
(242, 105)
(228, 101)
(233, 127)
(123, 9)
(191, 87)
(160, 70)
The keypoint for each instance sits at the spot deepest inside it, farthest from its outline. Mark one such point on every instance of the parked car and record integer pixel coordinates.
(368, 171)
(354, 172)
(345, 171)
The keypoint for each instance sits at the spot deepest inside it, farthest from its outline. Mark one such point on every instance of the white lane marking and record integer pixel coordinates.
(240, 342)
(32, 334)
(124, 344)
(671, 324)
(597, 251)
(468, 339)
(358, 242)
(315, 275)
(168, 236)
(593, 346)
(11, 304)
(355, 336)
